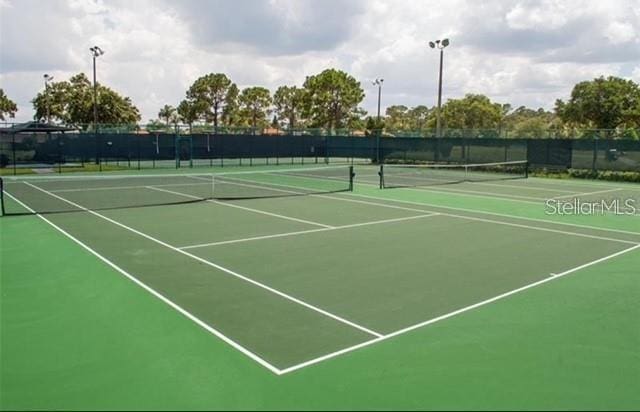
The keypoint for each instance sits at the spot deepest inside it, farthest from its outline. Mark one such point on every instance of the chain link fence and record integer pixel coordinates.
(41, 152)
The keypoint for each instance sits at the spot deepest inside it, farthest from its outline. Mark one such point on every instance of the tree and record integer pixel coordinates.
(71, 102)
(397, 117)
(155, 125)
(420, 116)
(254, 105)
(357, 119)
(169, 114)
(533, 127)
(331, 99)
(374, 125)
(7, 106)
(210, 91)
(189, 112)
(288, 102)
(602, 103)
(474, 111)
(526, 122)
(231, 112)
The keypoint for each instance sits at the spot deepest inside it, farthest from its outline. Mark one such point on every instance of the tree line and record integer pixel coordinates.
(328, 100)
(331, 100)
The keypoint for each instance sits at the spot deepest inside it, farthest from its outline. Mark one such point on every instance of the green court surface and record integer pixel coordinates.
(454, 296)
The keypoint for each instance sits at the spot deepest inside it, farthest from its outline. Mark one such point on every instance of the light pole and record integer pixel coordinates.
(95, 52)
(378, 82)
(439, 44)
(47, 79)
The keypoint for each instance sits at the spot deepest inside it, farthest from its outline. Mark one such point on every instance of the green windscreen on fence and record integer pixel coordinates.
(146, 150)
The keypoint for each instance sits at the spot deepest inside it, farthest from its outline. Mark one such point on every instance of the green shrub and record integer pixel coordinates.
(610, 175)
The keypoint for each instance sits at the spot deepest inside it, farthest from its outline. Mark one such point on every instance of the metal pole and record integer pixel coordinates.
(378, 132)
(13, 153)
(95, 112)
(95, 96)
(440, 45)
(379, 93)
(438, 121)
(46, 90)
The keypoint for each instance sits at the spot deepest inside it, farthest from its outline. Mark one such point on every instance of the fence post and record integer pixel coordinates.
(595, 154)
(13, 150)
(138, 147)
(378, 133)
(59, 141)
(176, 149)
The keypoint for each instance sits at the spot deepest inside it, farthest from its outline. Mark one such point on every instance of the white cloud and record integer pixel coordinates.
(522, 52)
(620, 32)
(535, 16)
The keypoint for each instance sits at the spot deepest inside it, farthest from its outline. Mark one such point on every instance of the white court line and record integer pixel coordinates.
(525, 186)
(578, 182)
(302, 232)
(588, 193)
(117, 175)
(214, 265)
(261, 185)
(441, 189)
(474, 211)
(498, 214)
(454, 313)
(498, 222)
(366, 343)
(494, 213)
(243, 208)
(567, 182)
(157, 294)
(473, 218)
(124, 187)
(475, 193)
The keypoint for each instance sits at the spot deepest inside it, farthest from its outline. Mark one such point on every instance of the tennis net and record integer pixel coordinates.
(405, 175)
(59, 194)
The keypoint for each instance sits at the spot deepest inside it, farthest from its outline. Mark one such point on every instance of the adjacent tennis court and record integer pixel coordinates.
(294, 266)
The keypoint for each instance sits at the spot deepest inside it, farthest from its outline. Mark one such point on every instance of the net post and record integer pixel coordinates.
(351, 176)
(2, 197)
(213, 186)
(381, 176)
(526, 170)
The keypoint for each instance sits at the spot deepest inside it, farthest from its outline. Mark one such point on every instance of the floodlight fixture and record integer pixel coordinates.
(97, 51)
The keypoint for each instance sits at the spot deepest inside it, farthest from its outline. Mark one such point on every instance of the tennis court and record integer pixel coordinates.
(292, 267)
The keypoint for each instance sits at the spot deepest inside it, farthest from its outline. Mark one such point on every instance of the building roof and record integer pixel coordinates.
(36, 127)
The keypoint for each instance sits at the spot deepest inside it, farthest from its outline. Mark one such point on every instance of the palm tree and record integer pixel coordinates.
(168, 113)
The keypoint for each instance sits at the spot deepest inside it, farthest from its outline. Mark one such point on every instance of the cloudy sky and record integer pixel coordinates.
(519, 52)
